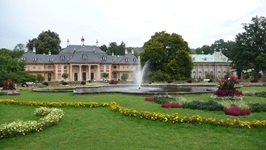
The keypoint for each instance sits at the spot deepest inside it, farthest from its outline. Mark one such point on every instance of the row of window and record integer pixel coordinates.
(37, 67)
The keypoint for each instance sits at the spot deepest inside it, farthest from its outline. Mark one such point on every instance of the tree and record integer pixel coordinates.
(19, 47)
(64, 75)
(124, 76)
(161, 52)
(104, 48)
(12, 68)
(105, 75)
(46, 42)
(39, 78)
(250, 48)
(181, 66)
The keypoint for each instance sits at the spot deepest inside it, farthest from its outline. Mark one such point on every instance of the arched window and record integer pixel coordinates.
(103, 57)
(34, 59)
(126, 59)
(24, 58)
(62, 57)
(50, 59)
(134, 59)
(84, 56)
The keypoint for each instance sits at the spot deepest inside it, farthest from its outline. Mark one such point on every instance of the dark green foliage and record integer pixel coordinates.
(257, 107)
(45, 83)
(124, 76)
(39, 78)
(64, 83)
(167, 54)
(45, 42)
(114, 48)
(210, 105)
(163, 98)
(251, 46)
(83, 83)
(65, 75)
(261, 94)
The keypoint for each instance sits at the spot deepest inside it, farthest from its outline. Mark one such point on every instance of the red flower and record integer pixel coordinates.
(222, 80)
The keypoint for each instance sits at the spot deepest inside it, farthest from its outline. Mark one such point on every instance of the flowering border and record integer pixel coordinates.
(174, 118)
(51, 117)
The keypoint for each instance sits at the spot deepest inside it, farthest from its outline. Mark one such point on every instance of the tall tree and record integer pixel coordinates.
(250, 49)
(161, 50)
(18, 50)
(47, 41)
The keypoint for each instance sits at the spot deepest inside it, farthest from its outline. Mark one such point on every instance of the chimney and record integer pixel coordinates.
(132, 51)
(97, 43)
(67, 42)
(49, 52)
(82, 41)
(126, 51)
(113, 54)
(26, 50)
(34, 49)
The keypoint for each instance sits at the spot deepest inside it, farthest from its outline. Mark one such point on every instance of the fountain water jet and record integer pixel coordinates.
(139, 74)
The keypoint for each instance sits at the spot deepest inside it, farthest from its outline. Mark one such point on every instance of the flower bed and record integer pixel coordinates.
(210, 105)
(51, 117)
(172, 118)
(227, 89)
(149, 99)
(170, 105)
(234, 110)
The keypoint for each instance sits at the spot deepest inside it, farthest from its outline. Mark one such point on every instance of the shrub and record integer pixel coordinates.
(83, 83)
(189, 81)
(223, 93)
(260, 94)
(170, 81)
(210, 105)
(254, 80)
(64, 83)
(113, 82)
(45, 83)
(149, 99)
(257, 107)
(163, 98)
(170, 105)
(234, 110)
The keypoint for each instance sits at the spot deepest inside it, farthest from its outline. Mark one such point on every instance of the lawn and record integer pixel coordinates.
(101, 128)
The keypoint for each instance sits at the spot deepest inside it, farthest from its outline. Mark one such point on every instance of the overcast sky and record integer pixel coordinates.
(131, 21)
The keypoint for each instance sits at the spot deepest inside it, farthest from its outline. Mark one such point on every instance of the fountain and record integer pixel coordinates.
(139, 74)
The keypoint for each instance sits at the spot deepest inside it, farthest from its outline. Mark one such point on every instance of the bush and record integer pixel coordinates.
(163, 98)
(113, 82)
(257, 107)
(83, 83)
(45, 83)
(210, 105)
(149, 99)
(234, 110)
(64, 83)
(260, 94)
(170, 81)
(170, 105)
(223, 93)
(254, 80)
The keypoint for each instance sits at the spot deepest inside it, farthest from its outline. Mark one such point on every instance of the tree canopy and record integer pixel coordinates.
(114, 48)
(47, 41)
(162, 52)
(11, 68)
(250, 48)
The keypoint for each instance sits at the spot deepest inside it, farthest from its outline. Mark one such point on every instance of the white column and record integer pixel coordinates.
(80, 77)
(70, 73)
(98, 72)
(89, 76)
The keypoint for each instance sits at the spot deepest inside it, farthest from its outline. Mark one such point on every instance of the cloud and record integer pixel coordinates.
(134, 22)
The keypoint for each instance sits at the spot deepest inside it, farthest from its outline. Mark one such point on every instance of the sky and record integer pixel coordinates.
(199, 22)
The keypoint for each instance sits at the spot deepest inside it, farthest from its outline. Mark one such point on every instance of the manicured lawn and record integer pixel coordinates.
(101, 128)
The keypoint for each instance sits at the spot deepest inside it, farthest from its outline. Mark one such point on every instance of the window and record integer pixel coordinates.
(104, 58)
(34, 59)
(39, 67)
(49, 67)
(28, 67)
(34, 67)
(59, 67)
(62, 57)
(84, 56)
(65, 67)
(134, 59)
(114, 67)
(24, 58)
(50, 59)
(107, 67)
(59, 76)
(83, 68)
(101, 67)
(92, 67)
(126, 59)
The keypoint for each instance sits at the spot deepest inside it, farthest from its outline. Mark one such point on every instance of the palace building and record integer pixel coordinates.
(215, 64)
(81, 63)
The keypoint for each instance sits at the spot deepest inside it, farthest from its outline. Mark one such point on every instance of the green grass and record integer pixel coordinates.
(101, 128)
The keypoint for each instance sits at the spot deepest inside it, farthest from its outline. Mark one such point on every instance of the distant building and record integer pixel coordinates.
(81, 63)
(215, 64)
